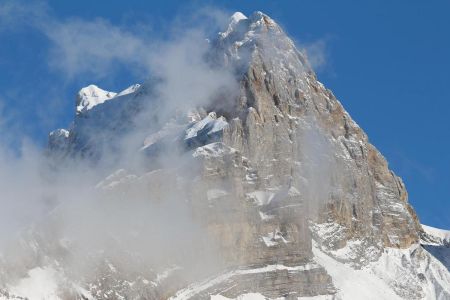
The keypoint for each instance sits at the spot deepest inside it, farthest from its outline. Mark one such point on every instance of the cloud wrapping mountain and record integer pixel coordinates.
(231, 172)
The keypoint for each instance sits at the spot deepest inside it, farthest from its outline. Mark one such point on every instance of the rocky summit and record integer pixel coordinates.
(279, 192)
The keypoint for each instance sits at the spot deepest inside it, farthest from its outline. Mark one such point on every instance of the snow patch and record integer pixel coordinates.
(41, 283)
(199, 287)
(206, 129)
(129, 90)
(411, 273)
(293, 192)
(91, 96)
(265, 216)
(443, 235)
(354, 284)
(213, 194)
(165, 274)
(248, 296)
(59, 133)
(273, 238)
(237, 16)
(260, 198)
(118, 177)
(169, 132)
(258, 296)
(328, 233)
(217, 149)
(234, 20)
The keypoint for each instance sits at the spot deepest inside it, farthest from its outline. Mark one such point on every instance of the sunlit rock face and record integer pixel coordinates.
(297, 136)
(273, 189)
(305, 160)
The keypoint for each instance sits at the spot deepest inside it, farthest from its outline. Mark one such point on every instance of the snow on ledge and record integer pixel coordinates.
(217, 149)
(41, 283)
(237, 16)
(442, 234)
(196, 288)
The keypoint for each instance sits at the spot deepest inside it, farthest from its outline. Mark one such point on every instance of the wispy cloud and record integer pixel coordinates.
(94, 49)
(411, 168)
(102, 51)
(14, 14)
(317, 53)
(77, 46)
(97, 47)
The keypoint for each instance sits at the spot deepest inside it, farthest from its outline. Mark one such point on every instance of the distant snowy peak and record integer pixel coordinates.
(131, 89)
(205, 131)
(237, 16)
(234, 20)
(248, 40)
(437, 242)
(91, 96)
(256, 19)
(241, 24)
(435, 236)
(57, 140)
(59, 134)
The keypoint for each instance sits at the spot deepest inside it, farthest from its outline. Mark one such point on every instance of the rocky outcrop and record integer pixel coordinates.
(297, 135)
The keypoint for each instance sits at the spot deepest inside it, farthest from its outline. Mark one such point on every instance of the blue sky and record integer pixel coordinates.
(388, 63)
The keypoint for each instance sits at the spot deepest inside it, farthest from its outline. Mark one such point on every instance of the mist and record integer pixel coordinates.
(124, 205)
(82, 213)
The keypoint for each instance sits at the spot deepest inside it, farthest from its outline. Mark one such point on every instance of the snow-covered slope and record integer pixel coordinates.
(437, 242)
(92, 95)
(437, 236)
(411, 273)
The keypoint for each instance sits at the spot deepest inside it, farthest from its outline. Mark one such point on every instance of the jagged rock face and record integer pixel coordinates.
(277, 177)
(57, 141)
(101, 120)
(281, 108)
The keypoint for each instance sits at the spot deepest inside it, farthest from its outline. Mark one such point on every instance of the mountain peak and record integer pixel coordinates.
(257, 21)
(258, 39)
(259, 16)
(90, 96)
(308, 197)
(237, 16)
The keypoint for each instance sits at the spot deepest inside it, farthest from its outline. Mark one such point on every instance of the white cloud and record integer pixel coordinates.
(97, 47)
(94, 47)
(15, 14)
(78, 46)
(30, 191)
(316, 53)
